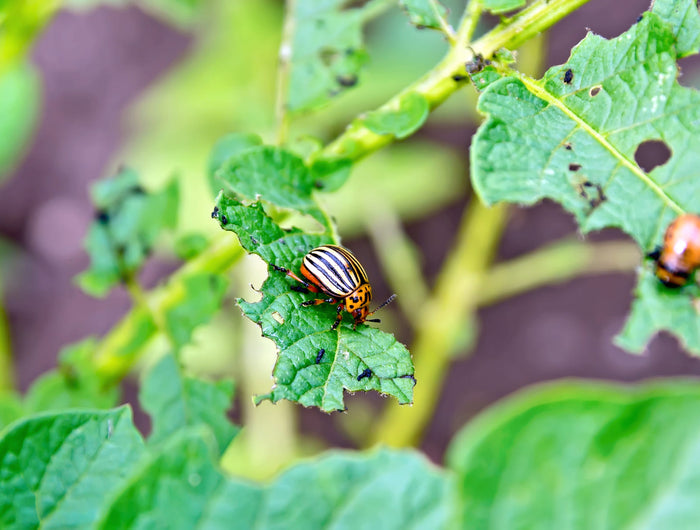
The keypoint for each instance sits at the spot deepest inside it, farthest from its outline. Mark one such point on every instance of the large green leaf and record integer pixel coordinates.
(56, 470)
(315, 363)
(181, 488)
(176, 401)
(572, 136)
(128, 221)
(583, 456)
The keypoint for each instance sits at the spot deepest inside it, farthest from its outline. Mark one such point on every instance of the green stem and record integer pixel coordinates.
(437, 85)
(556, 263)
(470, 19)
(7, 376)
(443, 317)
(123, 345)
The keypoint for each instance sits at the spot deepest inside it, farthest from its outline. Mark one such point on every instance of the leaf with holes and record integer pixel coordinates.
(129, 219)
(227, 147)
(315, 363)
(176, 402)
(572, 137)
(58, 469)
(582, 455)
(327, 51)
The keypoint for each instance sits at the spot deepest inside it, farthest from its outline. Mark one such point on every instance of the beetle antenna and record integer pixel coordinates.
(387, 302)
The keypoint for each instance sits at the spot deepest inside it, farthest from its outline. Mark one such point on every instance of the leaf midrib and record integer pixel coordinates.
(535, 88)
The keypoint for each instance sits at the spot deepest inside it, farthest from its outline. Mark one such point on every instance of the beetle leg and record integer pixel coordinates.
(318, 301)
(307, 287)
(339, 317)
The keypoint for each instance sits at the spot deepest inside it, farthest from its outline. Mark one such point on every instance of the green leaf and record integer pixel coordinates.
(582, 455)
(315, 363)
(572, 137)
(228, 146)
(498, 7)
(176, 402)
(196, 305)
(19, 107)
(58, 469)
(327, 52)
(274, 175)
(125, 229)
(659, 308)
(425, 13)
(410, 113)
(180, 488)
(75, 384)
(683, 16)
(11, 408)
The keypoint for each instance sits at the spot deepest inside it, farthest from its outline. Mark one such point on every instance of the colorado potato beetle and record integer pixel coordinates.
(679, 256)
(334, 271)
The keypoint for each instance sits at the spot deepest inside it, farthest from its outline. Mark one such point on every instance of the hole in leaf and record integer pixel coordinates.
(568, 146)
(651, 154)
(574, 167)
(278, 318)
(595, 90)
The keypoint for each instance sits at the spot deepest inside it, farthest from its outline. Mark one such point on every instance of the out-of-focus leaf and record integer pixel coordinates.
(190, 245)
(572, 137)
(498, 7)
(327, 52)
(73, 385)
(19, 106)
(201, 299)
(683, 17)
(424, 13)
(274, 175)
(181, 488)
(411, 112)
(126, 226)
(315, 364)
(176, 402)
(582, 455)
(228, 146)
(58, 469)
(20, 23)
(11, 408)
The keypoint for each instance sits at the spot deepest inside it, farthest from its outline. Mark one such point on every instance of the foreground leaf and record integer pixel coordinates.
(176, 402)
(583, 456)
(315, 364)
(57, 470)
(572, 137)
(181, 488)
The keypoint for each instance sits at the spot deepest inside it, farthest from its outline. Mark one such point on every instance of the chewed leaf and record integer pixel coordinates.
(327, 52)
(412, 111)
(574, 136)
(274, 175)
(315, 364)
(659, 308)
(425, 13)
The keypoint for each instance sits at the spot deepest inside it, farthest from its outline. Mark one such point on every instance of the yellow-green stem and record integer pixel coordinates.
(444, 316)
(7, 374)
(556, 263)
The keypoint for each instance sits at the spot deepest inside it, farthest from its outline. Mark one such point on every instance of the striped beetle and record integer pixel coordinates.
(334, 271)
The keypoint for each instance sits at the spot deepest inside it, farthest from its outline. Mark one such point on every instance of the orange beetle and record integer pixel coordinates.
(680, 255)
